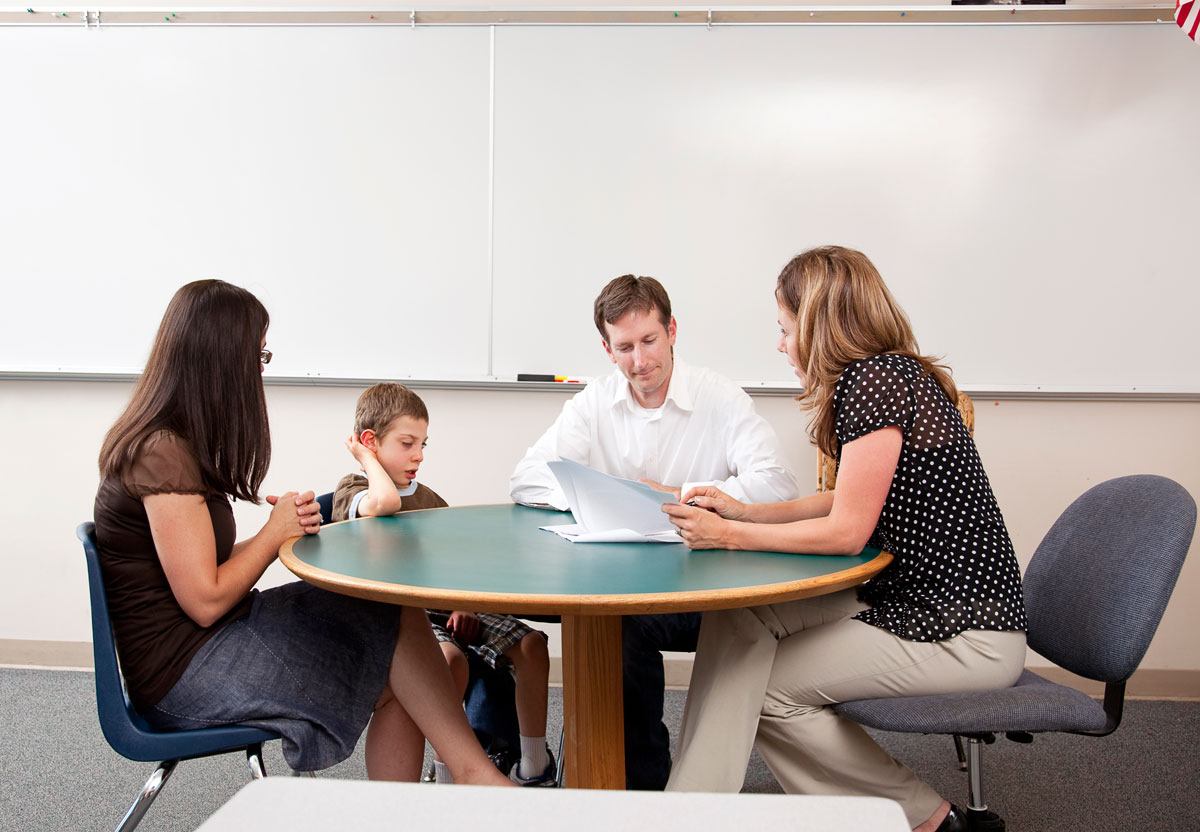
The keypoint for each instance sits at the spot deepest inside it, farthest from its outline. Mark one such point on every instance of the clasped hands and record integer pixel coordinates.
(305, 519)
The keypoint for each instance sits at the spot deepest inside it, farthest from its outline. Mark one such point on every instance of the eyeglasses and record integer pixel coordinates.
(265, 356)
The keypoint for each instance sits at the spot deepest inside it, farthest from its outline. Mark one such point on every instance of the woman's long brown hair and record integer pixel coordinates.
(203, 381)
(844, 313)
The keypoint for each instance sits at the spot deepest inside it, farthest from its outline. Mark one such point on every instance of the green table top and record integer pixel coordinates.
(495, 558)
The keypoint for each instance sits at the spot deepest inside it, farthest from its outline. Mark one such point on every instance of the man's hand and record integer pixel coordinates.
(464, 626)
(658, 486)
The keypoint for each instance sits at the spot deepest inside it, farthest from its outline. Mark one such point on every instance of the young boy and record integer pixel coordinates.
(390, 428)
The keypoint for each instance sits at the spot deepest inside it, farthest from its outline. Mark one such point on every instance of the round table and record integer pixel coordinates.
(496, 559)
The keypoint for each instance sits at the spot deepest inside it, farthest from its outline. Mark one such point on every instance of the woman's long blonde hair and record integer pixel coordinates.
(844, 313)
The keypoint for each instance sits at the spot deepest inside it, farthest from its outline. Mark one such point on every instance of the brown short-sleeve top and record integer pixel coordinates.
(155, 638)
(351, 485)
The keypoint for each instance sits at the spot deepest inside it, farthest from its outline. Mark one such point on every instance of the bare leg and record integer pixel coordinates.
(935, 820)
(460, 673)
(395, 747)
(457, 662)
(531, 661)
(421, 683)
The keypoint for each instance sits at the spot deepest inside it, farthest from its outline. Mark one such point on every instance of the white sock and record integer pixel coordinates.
(534, 758)
(441, 772)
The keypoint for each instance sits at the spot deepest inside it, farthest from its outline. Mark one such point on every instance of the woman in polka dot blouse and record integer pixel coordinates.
(946, 614)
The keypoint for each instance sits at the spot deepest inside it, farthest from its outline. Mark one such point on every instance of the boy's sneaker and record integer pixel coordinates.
(505, 759)
(547, 778)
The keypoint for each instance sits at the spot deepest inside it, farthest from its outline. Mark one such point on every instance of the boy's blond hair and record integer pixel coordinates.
(382, 404)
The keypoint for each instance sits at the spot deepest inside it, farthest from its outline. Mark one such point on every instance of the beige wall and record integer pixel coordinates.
(1040, 456)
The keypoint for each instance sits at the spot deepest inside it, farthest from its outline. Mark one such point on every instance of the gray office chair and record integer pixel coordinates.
(1095, 591)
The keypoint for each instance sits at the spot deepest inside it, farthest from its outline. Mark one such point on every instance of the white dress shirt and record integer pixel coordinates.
(706, 430)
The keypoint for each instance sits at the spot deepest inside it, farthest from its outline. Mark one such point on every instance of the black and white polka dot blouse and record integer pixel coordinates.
(954, 566)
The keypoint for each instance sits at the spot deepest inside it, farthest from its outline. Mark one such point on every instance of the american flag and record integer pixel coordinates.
(1187, 15)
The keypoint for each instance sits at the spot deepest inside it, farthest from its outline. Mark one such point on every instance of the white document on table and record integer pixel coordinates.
(610, 509)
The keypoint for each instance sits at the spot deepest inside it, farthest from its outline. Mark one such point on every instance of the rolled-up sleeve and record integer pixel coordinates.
(532, 483)
(753, 454)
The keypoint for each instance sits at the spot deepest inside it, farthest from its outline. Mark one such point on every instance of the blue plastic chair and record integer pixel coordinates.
(325, 501)
(126, 731)
(1095, 591)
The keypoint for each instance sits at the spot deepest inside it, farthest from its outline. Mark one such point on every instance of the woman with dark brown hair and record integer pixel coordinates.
(945, 615)
(198, 644)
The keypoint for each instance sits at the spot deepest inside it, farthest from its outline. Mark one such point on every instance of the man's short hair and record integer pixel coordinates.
(382, 404)
(627, 294)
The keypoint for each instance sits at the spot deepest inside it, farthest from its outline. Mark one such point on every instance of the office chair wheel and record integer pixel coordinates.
(984, 820)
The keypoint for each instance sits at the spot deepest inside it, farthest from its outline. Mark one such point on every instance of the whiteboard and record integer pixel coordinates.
(339, 174)
(1025, 191)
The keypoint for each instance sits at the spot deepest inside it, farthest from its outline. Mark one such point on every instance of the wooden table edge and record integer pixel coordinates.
(631, 604)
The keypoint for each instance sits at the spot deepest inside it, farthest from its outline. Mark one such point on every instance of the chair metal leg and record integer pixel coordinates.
(962, 755)
(149, 791)
(254, 761)
(979, 817)
(558, 775)
(975, 776)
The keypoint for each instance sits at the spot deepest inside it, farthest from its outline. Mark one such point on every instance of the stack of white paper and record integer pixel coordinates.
(610, 509)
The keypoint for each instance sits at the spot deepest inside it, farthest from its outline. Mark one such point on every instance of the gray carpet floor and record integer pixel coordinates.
(57, 772)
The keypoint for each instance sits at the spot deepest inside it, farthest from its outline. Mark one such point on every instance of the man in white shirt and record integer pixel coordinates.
(665, 422)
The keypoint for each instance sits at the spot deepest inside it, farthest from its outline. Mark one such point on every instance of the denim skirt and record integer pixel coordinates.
(304, 662)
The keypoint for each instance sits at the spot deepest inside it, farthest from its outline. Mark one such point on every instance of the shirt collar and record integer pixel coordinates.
(407, 491)
(679, 389)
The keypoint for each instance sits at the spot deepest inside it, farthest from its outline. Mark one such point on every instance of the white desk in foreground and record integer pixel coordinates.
(303, 804)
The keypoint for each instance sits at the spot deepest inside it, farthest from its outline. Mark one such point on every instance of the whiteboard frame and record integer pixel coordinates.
(168, 14)
(975, 391)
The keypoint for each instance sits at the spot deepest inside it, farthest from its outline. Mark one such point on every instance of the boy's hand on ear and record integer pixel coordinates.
(358, 450)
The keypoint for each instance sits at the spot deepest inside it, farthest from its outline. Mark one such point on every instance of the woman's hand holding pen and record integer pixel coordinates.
(702, 522)
(715, 500)
(698, 527)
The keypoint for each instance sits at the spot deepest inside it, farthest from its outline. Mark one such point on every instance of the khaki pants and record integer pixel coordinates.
(766, 676)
